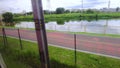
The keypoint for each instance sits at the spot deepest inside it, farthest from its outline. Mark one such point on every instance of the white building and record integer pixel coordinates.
(109, 10)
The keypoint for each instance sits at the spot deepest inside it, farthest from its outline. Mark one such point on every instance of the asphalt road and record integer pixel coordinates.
(101, 45)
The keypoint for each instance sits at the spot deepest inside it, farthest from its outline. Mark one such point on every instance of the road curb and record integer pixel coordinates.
(73, 49)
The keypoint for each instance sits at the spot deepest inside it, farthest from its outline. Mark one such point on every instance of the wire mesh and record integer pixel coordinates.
(106, 46)
(102, 45)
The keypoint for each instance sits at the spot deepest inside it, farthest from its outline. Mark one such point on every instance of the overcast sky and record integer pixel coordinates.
(20, 5)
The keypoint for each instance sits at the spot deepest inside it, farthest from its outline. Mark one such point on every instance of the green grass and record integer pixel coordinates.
(69, 16)
(95, 34)
(59, 57)
(11, 63)
(82, 33)
(89, 34)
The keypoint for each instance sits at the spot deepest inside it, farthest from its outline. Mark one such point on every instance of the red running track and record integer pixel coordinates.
(102, 45)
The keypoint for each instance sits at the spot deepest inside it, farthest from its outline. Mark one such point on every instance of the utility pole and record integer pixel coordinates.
(82, 4)
(109, 4)
(41, 33)
(49, 6)
(82, 13)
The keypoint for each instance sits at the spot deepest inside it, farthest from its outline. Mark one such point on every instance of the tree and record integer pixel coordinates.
(7, 17)
(67, 11)
(89, 11)
(29, 13)
(17, 15)
(46, 11)
(117, 9)
(60, 10)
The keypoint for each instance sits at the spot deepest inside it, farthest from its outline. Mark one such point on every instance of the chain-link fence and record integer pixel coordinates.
(106, 46)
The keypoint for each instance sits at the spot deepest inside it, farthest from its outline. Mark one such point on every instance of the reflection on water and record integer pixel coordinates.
(7, 24)
(100, 26)
(25, 25)
(0, 23)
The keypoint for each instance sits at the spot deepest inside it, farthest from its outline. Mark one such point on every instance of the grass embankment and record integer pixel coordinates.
(89, 34)
(52, 17)
(82, 33)
(99, 35)
(69, 16)
(59, 58)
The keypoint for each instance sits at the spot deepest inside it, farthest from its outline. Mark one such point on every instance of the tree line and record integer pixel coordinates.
(62, 10)
(8, 16)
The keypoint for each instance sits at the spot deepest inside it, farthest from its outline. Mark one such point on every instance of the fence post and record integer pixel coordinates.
(4, 37)
(20, 39)
(75, 50)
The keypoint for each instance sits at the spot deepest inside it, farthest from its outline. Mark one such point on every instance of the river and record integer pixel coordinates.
(97, 26)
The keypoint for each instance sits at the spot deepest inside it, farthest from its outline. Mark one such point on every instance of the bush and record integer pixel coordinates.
(7, 17)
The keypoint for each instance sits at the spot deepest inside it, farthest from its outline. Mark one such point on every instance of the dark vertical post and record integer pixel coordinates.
(41, 33)
(4, 37)
(20, 39)
(75, 50)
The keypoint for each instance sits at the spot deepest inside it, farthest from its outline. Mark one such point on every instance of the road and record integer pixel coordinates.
(101, 45)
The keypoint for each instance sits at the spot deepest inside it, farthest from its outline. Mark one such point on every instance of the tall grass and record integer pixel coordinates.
(59, 57)
(70, 16)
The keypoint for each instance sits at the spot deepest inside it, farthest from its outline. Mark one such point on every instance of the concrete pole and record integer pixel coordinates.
(41, 33)
(109, 4)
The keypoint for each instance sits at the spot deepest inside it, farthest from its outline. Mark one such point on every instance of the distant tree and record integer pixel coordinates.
(78, 11)
(29, 13)
(89, 11)
(117, 9)
(46, 11)
(53, 12)
(17, 14)
(60, 10)
(67, 11)
(7, 17)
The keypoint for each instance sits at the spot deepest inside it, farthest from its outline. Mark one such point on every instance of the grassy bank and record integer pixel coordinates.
(82, 33)
(90, 34)
(69, 16)
(95, 34)
(59, 58)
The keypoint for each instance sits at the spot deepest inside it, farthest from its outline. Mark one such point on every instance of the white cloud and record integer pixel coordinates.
(15, 5)
(20, 5)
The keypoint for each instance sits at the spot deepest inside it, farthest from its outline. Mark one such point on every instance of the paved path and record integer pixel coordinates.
(101, 45)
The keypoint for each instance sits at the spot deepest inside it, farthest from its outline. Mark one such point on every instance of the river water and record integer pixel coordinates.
(100, 26)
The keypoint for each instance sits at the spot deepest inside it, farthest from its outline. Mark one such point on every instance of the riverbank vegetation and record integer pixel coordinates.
(59, 58)
(7, 17)
(89, 34)
(82, 33)
(69, 16)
